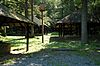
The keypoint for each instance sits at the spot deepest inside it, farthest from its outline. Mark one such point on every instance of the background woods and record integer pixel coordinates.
(56, 10)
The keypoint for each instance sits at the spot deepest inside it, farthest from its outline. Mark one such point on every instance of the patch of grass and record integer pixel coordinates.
(54, 33)
(70, 45)
(19, 41)
(36, 46)
(8, 61)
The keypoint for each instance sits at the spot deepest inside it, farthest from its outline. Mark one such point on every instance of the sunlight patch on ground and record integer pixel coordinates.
(98, 51)
(35, 44)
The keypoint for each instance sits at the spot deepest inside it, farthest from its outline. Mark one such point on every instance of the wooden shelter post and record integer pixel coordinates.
(27, 37)
(42, 29)
(59, 30)
(42, 8)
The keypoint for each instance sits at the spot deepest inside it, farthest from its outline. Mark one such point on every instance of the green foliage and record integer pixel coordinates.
(54, 33)
(15, 5)
(56, 9)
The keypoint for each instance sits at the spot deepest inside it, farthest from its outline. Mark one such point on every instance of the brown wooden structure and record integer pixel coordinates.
(71, 25)
(8, 18)
(12, 19)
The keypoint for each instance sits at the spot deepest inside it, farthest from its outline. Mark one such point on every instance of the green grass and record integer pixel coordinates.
(18, 41)
(50, 43)
(55, 33)
(9, 61)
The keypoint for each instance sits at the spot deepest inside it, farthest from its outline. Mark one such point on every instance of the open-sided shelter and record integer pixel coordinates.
(11, 19)
(8, 18)
(71, 25)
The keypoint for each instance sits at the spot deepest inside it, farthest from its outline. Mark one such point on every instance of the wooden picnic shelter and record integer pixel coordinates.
(71, 25)
(11, 19)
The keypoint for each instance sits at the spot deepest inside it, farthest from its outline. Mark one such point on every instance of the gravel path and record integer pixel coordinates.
(55, 58)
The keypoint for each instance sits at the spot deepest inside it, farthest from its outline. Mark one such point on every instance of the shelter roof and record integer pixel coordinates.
(8, 17)
(74, 17)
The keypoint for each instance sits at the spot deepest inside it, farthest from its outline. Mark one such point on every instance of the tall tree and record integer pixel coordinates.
(32, 18)
(26, 8)
(84, 34)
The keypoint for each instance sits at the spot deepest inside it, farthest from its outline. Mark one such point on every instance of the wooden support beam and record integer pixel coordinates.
(42, 29)
(27, 37)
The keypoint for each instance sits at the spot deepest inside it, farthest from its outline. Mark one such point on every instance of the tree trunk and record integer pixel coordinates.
(26, 8)
(32, 18)
(84, 34)
(62, 31)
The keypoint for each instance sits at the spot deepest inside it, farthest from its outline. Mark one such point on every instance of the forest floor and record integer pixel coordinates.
(54, 52)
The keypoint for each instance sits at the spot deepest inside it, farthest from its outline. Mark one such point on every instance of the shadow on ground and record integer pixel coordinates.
(49, 57)
(72, 42)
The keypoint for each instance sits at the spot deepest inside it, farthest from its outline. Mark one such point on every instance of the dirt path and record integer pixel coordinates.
(54, 58)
